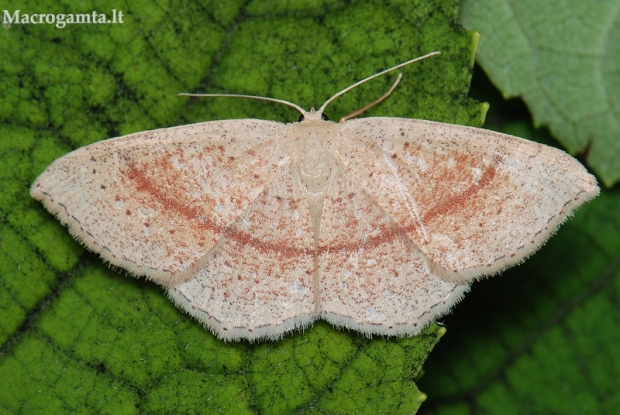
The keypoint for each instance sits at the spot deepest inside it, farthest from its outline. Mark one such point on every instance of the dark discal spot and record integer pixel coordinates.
(94, 171)
(103, 187)
(394, 156)
(256, 176)
(128, 212)
(406, 144)
(171, 231)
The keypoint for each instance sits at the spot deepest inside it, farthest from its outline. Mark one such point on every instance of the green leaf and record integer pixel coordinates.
(563, 59)
(543, 337)
(79, 337)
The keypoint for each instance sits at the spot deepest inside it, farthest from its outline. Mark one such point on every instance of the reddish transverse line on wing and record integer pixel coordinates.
(141, 180)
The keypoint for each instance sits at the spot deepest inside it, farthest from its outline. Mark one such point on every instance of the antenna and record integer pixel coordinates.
(344, 91)
(363, 81)
(280, 101)
(375, 102)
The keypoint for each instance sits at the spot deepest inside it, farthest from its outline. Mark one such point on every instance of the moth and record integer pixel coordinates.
(256, 228)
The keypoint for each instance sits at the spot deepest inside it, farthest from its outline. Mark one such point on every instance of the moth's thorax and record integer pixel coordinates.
(313, 153)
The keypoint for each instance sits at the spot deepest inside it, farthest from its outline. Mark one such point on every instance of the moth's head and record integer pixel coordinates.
(312, 115)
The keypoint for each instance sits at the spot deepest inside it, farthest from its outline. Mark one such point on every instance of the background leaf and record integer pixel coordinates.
(563, 59)
(78, 337)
